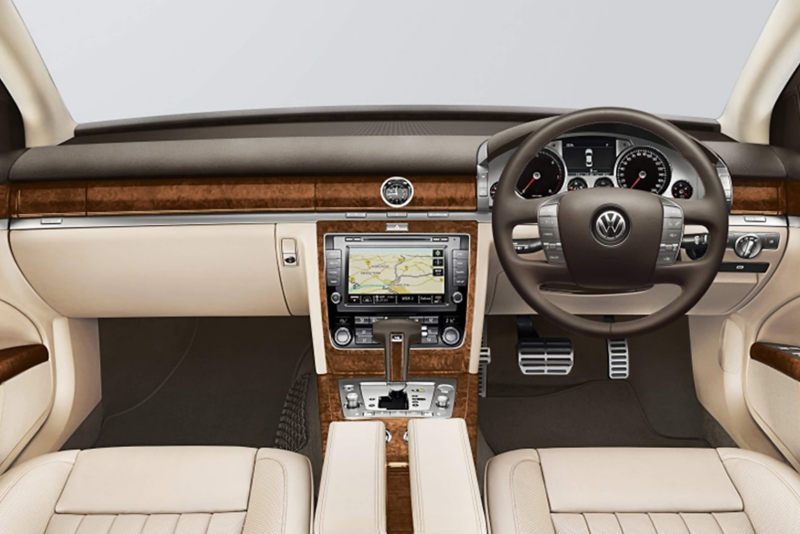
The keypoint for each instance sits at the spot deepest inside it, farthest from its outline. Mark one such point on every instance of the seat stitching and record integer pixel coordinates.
(511, 491)
(419, 523)
(467, 449)
(377, 477)
(30, 470)
(115, 520)
(730, 479)
(683, 520)
(717, 522)
(323, 491)
(775, 473)
(650, 518)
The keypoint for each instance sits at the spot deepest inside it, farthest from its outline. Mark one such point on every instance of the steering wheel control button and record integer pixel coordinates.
(549, 234)
(748, 246)
(671, 233)
(611, 228)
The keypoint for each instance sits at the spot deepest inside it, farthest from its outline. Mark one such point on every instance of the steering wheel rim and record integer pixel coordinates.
(636, 207)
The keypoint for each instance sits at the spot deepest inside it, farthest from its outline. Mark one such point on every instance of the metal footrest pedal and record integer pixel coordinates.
(618, 359)
(483, 362)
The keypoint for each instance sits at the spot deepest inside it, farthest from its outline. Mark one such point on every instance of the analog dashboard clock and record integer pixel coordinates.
(397, 191)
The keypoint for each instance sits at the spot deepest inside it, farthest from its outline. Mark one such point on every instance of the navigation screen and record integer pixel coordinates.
(396, 271)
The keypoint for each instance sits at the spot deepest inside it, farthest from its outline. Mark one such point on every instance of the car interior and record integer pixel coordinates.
(375, 317)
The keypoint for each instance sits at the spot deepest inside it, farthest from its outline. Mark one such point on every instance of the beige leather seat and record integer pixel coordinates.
(641, 491)
(158, 490)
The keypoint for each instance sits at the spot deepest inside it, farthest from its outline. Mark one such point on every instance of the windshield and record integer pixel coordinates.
(139, 58)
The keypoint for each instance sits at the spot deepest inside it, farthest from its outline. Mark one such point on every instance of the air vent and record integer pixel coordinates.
(545, 356)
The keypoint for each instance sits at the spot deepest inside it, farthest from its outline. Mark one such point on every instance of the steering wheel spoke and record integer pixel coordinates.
(680, 274)
(700, 212)
(538, 272)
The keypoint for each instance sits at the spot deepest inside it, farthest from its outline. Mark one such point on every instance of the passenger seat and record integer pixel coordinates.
(159, 490)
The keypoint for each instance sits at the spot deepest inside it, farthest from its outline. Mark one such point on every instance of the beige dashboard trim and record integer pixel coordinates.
(46, 118)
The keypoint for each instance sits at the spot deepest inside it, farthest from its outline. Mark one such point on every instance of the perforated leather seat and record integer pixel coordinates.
(158, 490)
(641, 491)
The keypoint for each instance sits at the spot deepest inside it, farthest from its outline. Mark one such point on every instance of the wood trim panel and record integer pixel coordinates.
(765, 197)
(231, 195)
(5, 201)
(451, 193)
(777, 359)
(17, 360)
(370, 361)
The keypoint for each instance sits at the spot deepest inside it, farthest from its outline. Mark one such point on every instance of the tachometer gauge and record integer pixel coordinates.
(544, 176)
(603, 182)
(576, 183)
(643, 168)
(682, 189)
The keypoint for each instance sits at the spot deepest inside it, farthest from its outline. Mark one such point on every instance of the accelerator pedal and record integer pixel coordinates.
(619, 362)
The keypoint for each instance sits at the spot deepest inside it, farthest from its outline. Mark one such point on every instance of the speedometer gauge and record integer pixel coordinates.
(644, 168)
(544, 176)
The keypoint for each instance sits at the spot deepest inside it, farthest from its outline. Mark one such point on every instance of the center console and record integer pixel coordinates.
(373, 277)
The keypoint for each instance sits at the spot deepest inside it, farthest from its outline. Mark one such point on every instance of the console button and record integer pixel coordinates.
(426, 299)
(342, 336)
(771, 241)
(332, 280)
(451, 336)
(461, 254)
(333, 254)
(354, 299)
(333, 264)
(457, 297)
(430, 320)
(336, 297)
(460, 281)
(460, 264)
(438, 299)
(362, 320)
(366, 299)
(407, 299)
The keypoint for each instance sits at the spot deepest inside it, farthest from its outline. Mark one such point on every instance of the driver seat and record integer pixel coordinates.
(641, 491)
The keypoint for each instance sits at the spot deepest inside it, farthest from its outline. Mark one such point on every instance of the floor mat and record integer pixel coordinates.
(595, 414)
(208, 381)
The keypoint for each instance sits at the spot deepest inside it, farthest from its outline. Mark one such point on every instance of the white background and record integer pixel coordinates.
(116, 59)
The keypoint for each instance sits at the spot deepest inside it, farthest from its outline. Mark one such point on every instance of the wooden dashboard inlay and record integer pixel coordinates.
(777, 359)
(232, 195)
(17, 360)
(765, 197)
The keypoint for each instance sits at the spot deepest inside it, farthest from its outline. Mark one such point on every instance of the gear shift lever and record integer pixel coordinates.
(392, 331)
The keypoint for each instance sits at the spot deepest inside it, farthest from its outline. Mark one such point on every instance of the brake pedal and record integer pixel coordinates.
(618, 359)
(540, 355)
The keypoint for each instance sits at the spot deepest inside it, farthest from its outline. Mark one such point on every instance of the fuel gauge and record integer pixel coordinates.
(682, 189)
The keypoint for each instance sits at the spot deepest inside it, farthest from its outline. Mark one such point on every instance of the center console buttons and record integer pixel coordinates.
(451, 336)
(342, 336)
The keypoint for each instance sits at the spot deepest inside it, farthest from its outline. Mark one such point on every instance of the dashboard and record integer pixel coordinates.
(585, 160)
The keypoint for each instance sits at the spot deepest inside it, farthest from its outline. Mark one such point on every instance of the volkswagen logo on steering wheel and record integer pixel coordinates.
(610, 228)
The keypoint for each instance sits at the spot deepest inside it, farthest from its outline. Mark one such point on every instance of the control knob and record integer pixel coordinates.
(747, 246)
(342, 336)
(457, 297)
(442, 401)
(352, 400)
(451, 336)
(336, 297)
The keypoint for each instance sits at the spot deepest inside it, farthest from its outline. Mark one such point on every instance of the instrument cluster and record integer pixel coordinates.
(587, 160)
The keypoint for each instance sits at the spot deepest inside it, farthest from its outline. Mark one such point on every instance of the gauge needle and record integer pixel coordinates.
(529, 184)
(639, 179)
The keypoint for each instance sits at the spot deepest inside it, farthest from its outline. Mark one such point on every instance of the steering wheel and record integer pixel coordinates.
(610, 238)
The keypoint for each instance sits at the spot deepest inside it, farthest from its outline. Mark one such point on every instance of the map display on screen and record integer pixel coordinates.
(390, 271)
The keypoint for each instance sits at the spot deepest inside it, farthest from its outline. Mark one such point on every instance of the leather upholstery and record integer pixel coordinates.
(159, 490)
(641, 491)
(445, 496)
(352, 495)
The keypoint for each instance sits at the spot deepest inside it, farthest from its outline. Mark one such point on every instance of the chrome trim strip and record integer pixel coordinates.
(793, 221)
(133, 221)
(764, 220)
(124, 221)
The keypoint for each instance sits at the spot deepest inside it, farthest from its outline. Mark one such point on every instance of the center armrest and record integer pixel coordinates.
(352, 494)
(445, 497)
